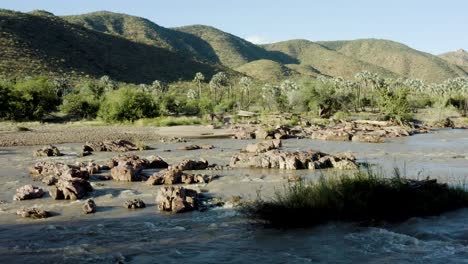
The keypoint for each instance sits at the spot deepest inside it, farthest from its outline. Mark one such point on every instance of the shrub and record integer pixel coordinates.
(30, 99)
(127, 104)
(362, 197)
(395, 105)
(82, 105)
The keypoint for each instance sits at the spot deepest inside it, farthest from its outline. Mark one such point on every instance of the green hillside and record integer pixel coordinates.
(267, 70)
(231, 50)
(459, 57)
(74, 50)
(398, 58)
(327, 61)
(144, 31)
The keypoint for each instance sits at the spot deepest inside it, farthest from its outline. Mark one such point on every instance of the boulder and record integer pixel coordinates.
(28, 192)
(176, 199)
(124, 173)
(134, 204)
(112, 146)
(89, 207)
(369, 138)
(263, 146)
(70, 189)
(33, 213)
(262, 134)
(47, 151)
(191, 165)
(156, 162)
(244, 134)
(332, 135)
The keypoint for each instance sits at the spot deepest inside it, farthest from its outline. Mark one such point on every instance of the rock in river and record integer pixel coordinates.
(28, 192)
(47, 151)
(176, 199)
(291, 160)
(33, 213)
(89, 207)
(134, 204)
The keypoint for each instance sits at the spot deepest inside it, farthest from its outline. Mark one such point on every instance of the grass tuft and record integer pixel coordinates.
(364, 197)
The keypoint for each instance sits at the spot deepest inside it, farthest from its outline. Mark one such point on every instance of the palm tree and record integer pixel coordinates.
(199, 78)
(245, 83)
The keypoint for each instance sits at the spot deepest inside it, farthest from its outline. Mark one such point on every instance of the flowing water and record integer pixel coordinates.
(115, 234)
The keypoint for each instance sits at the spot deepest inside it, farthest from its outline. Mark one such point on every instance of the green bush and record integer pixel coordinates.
(323, 100)
(395, 105)
(29, 99)
(82, 105)
(127, 104)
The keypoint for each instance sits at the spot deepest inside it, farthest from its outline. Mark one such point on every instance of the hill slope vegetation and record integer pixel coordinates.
(74, 50)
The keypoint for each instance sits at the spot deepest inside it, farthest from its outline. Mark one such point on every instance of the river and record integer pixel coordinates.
(222, 235)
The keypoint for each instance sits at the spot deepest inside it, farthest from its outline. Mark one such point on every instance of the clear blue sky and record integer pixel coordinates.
(430, 25)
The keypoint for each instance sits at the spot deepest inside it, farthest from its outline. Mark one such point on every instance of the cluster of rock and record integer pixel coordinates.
(263, 146)
(177, 199)
(69, 182)
(175, 174)
(172, 140)
(128, 167)
(135, 204)
(47, 151)
(34, 213)
(292, 160)
(28, 192)
(110, 146)
(359, 131)
(258, 132)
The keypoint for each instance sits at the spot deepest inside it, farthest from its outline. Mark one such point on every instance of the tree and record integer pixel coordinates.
(107, 83)
(199, 78)
(245, 84)
(218, 81)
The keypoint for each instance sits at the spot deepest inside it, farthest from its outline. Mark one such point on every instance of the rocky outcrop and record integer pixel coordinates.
(263, 146)
(89, 207)
(28, 192)
(129, 167)
(176, 199)
(191, 165)
(112, 146)
(49, 172)
(134, 204)
(47, 151)
(358, 130)
(33, 213)
(69, 188)
(176, 176)
(291, 160)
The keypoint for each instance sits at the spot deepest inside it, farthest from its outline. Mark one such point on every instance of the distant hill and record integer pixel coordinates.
(202, 42)
(459, 57)
(397, 58)
(144, 31)
(231, 50)
(325, 60)
(267, 70)
(135, 49)
(67, 48)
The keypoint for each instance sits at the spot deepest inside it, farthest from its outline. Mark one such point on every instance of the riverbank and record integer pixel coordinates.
(29, 134)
